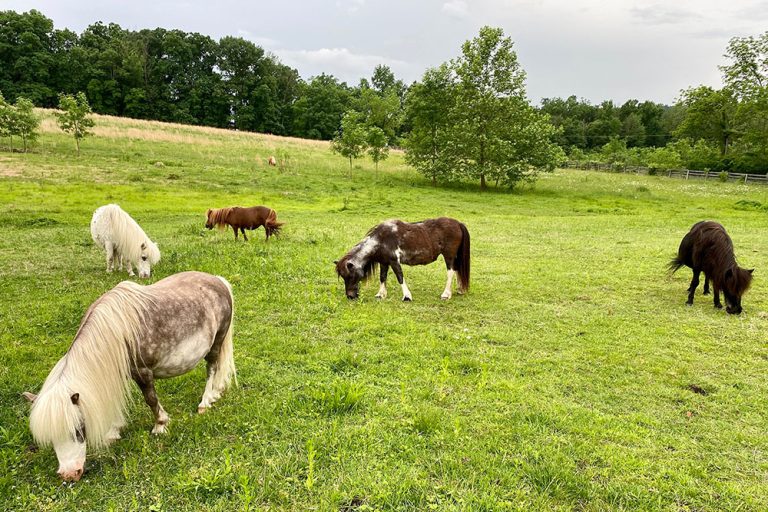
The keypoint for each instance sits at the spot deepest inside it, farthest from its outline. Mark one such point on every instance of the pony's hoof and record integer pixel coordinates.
(201, 410)
(706, 292)
(160, 429)
(445, 297)
(718, 306)
(689, 304)
(407, 299)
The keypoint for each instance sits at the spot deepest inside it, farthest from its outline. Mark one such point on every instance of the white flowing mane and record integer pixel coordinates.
(127, 235)
(98, 367)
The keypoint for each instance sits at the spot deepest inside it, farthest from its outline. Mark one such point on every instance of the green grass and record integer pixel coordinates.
(572, 376)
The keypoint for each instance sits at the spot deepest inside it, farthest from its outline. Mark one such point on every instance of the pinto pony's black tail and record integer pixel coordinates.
(675, 264)
(271, 225)
(462, 259)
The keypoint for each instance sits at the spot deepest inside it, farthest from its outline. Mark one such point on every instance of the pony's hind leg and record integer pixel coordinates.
(242, 230)
(111, 250)
(447, 293)
(220, 369)
(706, 285)
(692, 288)
(448, 285)
(146, 382)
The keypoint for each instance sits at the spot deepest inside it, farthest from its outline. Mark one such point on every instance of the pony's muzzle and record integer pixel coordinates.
(71, 475)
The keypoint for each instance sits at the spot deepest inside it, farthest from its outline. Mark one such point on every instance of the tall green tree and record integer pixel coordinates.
(498, 135)
(376, 143)
(27, 121)
(75, 116)
(320, 106)
(428, 109)
(350, 141)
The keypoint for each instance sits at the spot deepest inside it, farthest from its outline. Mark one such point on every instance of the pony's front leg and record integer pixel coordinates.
(146, 382)
(706, 285)
(383, 282)
(242, 230)
(716, 291)
(114, 432)
(235, 230)
(398, 270)
(129, 267)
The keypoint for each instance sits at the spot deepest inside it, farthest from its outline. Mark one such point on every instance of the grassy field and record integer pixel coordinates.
(572, 376)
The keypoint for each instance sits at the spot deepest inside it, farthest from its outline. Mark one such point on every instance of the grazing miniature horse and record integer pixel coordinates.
(244, 218)
(123, 240)
(708, 248)
(272, 161)
(133, 332)
(395, 242)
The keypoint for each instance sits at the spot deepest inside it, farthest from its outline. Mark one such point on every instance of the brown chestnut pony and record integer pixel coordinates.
(244, 218)
(708, 248)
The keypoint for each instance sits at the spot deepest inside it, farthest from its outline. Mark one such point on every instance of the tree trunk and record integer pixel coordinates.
(483, 184)
(77, 142)
(350, 167)
(24, 140)
(434, 180)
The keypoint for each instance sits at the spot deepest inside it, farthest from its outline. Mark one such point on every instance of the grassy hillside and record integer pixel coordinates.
(572, 376)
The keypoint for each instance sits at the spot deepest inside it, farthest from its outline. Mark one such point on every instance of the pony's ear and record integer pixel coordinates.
(729, 273)
(75, 398)
(31, 397)
(143, 245)
(751, 270)
(208, 212)
(335, 262)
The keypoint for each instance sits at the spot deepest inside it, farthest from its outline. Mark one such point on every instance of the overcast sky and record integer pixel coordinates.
(595, 49)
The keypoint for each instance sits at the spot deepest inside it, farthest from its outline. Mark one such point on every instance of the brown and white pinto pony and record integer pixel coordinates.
(708, 248)
(395, 242)
(244, 218)
(138, 333)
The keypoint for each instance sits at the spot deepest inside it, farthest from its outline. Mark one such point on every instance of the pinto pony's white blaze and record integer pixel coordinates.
(123, 240)
(138, 333)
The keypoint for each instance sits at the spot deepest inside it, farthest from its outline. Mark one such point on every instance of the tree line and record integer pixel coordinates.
(466, 119)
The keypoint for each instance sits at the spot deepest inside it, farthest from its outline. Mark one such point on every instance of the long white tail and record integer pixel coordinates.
(225, 371)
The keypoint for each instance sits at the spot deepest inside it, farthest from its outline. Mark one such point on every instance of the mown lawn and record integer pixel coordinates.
(572, 376)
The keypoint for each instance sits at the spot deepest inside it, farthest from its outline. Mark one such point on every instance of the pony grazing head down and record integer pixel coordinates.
(356, 266)
(216, 217)
(149, 255)
(87, 393)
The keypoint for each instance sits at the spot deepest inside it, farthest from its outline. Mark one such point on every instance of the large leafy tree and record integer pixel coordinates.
(497, 134)
(709, 116)
(320, 107)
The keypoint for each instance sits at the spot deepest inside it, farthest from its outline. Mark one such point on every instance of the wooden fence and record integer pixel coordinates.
(672, 173)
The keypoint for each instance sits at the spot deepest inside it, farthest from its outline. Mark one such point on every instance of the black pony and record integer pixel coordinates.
(708, 248)
(395, 242)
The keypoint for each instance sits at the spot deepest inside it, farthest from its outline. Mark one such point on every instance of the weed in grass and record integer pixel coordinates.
(339, 398)
(426, 420)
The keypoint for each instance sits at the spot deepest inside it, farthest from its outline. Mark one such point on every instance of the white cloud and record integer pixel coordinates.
(341, 62)
(264, 42)
(456, 8)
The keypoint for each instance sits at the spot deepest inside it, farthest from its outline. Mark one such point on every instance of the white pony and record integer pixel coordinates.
(123, 240)
(138, 333)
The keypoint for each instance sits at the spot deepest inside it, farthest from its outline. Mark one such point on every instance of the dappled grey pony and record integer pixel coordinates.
(395, 242)
(139, 333)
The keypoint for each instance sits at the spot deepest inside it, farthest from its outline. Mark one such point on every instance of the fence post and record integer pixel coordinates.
(687, 172)
(745, 178)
